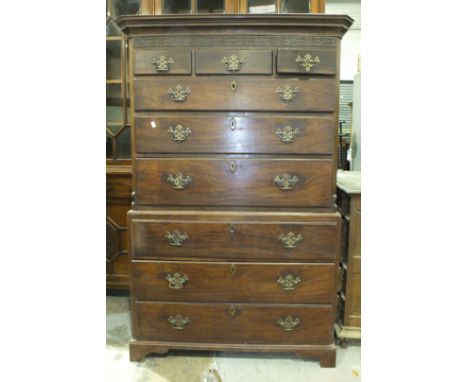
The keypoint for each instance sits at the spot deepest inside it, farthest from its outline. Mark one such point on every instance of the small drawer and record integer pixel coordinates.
(307, 61)
(234, 134)
(228, 236)
(233, 61)
(220, 181)
(236, 93)
(157, 62)
(234, 323)
(294, 283)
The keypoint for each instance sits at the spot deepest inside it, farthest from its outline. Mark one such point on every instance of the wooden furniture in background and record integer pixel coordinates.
(234, 231)
(348, 325)
(168, 7)
(118, 145)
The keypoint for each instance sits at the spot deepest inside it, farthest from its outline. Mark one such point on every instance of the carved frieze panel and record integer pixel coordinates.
(233, 40)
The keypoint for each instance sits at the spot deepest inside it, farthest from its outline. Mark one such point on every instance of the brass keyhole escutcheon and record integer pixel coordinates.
(233, 166)
(232, 124)
(233, 86)
(232, 310)
(232, 269)
(232, 232)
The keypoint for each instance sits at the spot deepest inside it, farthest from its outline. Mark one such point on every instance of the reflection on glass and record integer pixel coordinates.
(113, 104)
(210, 6)
(295, 6)
(108, 146)
(125, 7)
(123, 144)
(176, 6)
(112, 29)
(262, 6)
(113, 60)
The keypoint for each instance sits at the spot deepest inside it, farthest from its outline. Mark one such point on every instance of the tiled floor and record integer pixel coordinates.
(215, 367)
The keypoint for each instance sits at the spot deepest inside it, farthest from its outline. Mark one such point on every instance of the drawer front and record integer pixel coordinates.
(235, 240)
(307, 61)
(158, 61)
(234, 282)
(235, 93)
(233, 61)
(233, 323)
(234, 182)
(235, 134)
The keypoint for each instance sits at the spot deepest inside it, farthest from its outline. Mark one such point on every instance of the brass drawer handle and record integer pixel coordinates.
(179, 181)
(289, 282)
(176, 237)
(288, 323)
(308, 62)
(233, 63)
(287, 94)
(287, 134)
(177, 281)
(286, 181)
(162, 64)
(179, 94)
(179, 322)
(179, 133)
(290, 240)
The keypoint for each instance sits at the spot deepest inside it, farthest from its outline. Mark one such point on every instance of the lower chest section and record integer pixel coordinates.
(234, 277)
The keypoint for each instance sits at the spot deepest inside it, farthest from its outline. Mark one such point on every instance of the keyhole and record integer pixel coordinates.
(233, 86)
(232, 310)
(232, 269)
(233, 166)
(232, 232)
(232, 124)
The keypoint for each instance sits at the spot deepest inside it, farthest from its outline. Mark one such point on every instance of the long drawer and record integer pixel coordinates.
(220, 181)
(235, 93)
(234, 133)
(298, 283)
(156, 236)
(233, 323)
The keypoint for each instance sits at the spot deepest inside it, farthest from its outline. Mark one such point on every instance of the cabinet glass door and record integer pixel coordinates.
(124, 7)
(113, 60)
(210, 6)
(177, 7)
(261, 6)
(295, 6)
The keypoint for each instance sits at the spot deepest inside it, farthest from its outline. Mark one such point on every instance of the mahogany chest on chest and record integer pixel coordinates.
(234, 235)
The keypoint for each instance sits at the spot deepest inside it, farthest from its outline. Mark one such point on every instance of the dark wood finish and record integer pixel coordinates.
(325, 353)
(234, 133)
(287, 61)
(211, 238)
(144, 59)
(118, 201)
(252, 93)
(234, 323)
(210, 61)
(349, 318)
(234, 282)
(352, 312)
(231, 214)
(251, 184)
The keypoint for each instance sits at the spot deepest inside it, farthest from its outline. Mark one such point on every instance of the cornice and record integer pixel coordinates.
(336, 25)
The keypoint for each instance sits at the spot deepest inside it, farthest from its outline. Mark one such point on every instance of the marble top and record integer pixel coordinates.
(349, 181)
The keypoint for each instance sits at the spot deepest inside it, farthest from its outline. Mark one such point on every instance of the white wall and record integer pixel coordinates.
(351, 43)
